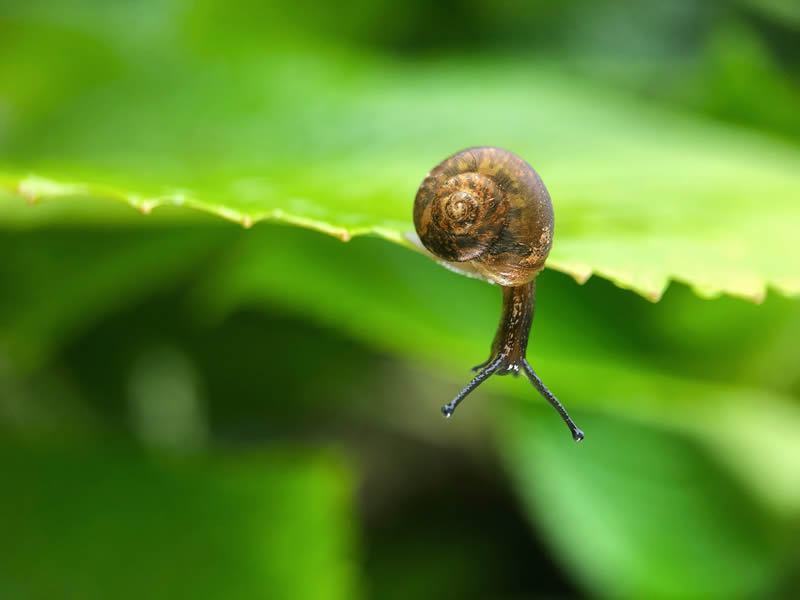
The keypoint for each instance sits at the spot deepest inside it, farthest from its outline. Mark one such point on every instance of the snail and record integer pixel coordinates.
(485, 212)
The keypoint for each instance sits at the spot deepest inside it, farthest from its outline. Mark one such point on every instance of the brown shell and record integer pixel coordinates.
(488, 207)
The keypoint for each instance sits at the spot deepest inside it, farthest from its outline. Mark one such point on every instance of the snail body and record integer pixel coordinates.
(485, 211)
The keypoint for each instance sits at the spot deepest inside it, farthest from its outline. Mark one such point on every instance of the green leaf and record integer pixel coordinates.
(110, 522)
(639, 513)
(63, 282)
(677, 366)
(338, 141)
(405, 305)
(703, 432)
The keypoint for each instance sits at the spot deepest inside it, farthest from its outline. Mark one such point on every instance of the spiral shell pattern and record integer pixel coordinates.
(466, 215)
(488, 207)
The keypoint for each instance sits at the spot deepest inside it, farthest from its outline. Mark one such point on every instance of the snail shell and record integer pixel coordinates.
(486, 207)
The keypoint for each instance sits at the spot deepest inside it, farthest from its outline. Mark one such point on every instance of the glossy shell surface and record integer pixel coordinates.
(486, 207)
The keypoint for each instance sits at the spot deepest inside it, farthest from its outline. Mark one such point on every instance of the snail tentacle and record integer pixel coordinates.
(577, 434)
(450, 407)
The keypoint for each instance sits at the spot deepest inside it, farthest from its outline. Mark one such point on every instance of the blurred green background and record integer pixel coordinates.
(189, 408)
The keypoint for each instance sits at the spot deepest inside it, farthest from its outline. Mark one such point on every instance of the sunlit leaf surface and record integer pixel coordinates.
(338, 142)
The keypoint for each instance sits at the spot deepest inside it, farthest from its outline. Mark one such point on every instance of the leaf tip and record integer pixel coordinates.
(28, 189)
(29, 196)
(246, 221)
(581, 277)
(654, 295)
(178, 198)
(145, 207)
(758, 297)
(578, 271)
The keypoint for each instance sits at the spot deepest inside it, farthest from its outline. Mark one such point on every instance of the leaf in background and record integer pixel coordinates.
(679, 364)
(594, 346)
(785, 12)
(639, 513)
(59, 282)
(85, 522)
(338, 141)
(590, 347)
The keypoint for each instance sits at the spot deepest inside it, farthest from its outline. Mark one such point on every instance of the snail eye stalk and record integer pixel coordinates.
(450, 407)
(577, 434)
